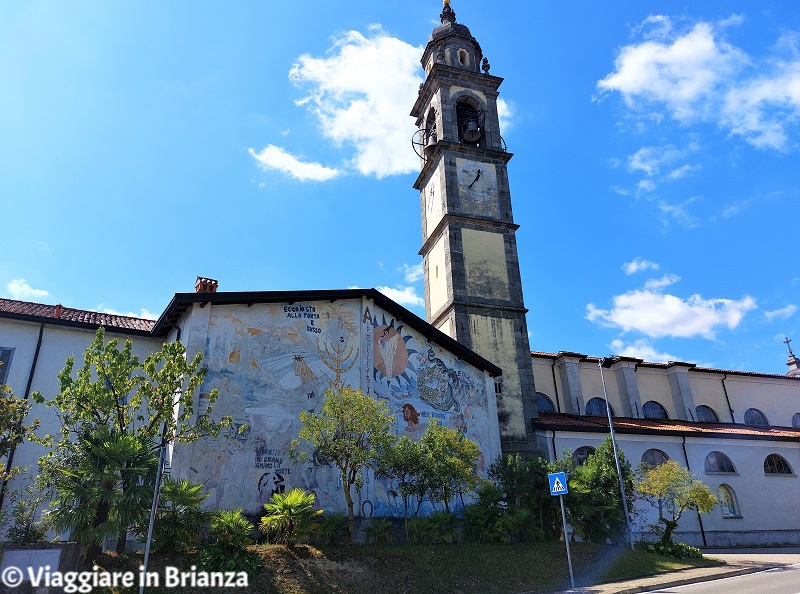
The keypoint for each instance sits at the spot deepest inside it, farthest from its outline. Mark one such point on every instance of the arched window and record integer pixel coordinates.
(756, 418)
(581, 454)
(727, 502)
(653, 410)
(796, 420)
(776, 464)
(706, 414)
(470, 121)
(654, 457)
(596, 407)
(544, 403)
(718, 462)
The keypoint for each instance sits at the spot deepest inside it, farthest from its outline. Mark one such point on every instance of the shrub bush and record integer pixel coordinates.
(224, 548)
(379, 531)
(332, 528)
(290, 518)
(439, 527)
(678, 550)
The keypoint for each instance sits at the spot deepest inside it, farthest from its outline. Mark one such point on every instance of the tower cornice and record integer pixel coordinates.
(442, 73)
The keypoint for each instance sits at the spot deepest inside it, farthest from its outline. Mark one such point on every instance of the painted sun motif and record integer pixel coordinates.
(389, 351)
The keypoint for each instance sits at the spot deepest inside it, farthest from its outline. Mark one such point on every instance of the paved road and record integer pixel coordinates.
(781, 580)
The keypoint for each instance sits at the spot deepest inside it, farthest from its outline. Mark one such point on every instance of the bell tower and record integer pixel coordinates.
(473, 290)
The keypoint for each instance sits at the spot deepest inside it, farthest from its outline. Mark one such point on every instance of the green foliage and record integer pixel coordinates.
(349, 431)
(492, 520)
(25, 527)
(379, 531)
(331, 528)
(672, 489)
(87, 479)
(290, 517)
(448, 467)
(439, 527)
(117, 400)
(594, 500)
(403, 462)
(670, 549)
(525, 485)
(179, 520)
(13, 430)
(224, 548)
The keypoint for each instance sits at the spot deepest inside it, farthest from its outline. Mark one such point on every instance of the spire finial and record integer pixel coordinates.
(788, 344)
(448, 14)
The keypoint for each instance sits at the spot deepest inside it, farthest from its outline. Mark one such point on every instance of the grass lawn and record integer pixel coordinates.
(468, 568)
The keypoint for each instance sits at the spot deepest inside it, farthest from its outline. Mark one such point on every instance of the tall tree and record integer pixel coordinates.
(672, 489)
(350, 430)
(115, 396)
(449, 463)
(402, 463)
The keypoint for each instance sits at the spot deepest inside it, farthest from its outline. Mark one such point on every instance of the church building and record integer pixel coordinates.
(469, 365)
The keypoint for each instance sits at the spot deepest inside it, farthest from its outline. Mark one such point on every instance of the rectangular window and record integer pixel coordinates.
(5, 363)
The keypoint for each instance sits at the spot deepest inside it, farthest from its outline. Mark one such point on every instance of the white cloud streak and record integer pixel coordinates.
(659, 283)
(414, 273)
(695, 75)
(641, 349)
(361, 93)
(783, 313)
(278, 159)
(638, 265)
(406, 296)
(20, 289)
(655, 314)
(144, 313)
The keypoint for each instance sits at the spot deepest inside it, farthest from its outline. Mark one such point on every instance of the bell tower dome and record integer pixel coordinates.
(473, 289)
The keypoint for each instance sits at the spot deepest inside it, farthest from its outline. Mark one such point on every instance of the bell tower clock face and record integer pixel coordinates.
(477, 180)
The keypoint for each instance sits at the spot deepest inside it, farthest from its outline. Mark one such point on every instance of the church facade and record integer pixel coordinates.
(272, 355)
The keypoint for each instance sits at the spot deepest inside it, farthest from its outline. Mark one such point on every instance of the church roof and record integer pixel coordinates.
(674, 427)
(643, 363)
(79, 318)
(183, 301)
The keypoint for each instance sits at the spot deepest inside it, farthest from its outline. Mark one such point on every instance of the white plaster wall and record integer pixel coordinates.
(58, 343)
(438, 279)
(654, 385)
(592, 385)
(777, 398)
(543, 379)
(707, 390)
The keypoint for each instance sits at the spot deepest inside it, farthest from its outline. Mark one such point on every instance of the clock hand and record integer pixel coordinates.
(469, 187)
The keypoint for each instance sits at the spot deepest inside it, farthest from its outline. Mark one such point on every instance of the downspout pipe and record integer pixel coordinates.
(699, 519)
(555, 387)
(10, 462)
(728, 400)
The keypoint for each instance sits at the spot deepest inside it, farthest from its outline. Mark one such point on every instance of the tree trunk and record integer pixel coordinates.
(669, 528)
(122, 539)
(350, 515)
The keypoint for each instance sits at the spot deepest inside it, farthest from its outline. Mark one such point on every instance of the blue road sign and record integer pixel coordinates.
(558, 483)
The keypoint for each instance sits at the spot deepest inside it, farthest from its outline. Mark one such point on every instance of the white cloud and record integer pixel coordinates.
(276, 157)
(406, 296)
(145, 314)
(361, 94)
(505, 113)
(783, 313)
(20, 289)
(637, 265)
(695, 75)
(679, 214)
(656, 314)
(414, 273)
(681, 172)
(641, 349)
(659, 283)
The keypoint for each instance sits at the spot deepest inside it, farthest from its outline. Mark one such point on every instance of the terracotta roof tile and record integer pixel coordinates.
(70, 317)
(652, 426)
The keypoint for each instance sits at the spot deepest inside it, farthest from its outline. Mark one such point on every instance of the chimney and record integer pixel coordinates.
(205, 285)
(58, 311)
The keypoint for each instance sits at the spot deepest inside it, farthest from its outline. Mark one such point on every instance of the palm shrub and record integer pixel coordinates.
(379, 530)
(439, 527)
(179, 521)
(491, 519)
(332, 527)
(225, 545)
(290, 517)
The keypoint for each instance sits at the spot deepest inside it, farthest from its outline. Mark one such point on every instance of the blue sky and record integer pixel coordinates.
(266, 144)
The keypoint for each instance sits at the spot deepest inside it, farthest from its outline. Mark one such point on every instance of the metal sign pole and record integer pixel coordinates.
(566, 541)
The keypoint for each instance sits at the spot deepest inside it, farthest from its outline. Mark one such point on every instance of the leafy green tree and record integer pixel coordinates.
(448, 466)
(672, 489)
(13, 430)
(403, 463)
(350, 430)
(117, 401)
(594, 499)
(290, 517)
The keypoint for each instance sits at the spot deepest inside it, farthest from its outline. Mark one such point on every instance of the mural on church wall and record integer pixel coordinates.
(270, 362)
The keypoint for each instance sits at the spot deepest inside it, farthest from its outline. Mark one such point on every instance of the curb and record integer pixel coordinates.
(689, 580)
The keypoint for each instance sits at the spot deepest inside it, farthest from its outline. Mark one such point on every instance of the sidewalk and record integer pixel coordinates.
(737, 562)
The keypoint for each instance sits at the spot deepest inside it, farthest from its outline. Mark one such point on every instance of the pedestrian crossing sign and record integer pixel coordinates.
(558, 483)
